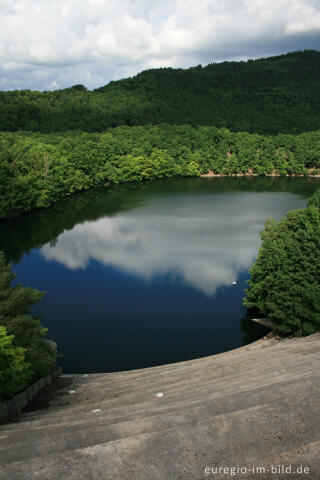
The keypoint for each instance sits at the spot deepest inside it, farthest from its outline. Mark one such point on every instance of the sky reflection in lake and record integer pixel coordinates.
(207, 242)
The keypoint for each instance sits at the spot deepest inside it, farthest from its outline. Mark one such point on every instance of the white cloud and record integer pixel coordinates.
(66, 40)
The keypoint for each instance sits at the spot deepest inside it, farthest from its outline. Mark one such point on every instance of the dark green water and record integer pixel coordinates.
(142, 275)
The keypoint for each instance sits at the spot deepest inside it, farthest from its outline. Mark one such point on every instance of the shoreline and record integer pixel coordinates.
(249, 174)
(110, 184)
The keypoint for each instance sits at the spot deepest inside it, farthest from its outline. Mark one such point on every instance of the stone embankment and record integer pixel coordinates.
(256, 406)
(12, 407)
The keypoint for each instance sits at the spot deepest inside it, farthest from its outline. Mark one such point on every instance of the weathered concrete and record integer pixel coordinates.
(257, 406)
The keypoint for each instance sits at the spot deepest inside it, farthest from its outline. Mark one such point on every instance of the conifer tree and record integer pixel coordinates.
(16, 303)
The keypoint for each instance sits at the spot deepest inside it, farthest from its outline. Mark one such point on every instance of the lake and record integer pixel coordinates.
(142, 274)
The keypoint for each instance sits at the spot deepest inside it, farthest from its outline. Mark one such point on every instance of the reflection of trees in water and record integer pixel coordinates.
(33, 230)
(298, 185)
(251, 331)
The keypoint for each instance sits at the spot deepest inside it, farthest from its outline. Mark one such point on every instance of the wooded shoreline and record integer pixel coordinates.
(37, 170)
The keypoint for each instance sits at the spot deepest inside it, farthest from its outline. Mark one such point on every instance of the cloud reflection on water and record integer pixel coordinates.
(206, 240)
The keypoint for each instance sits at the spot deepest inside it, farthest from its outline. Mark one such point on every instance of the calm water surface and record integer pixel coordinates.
(142, 275)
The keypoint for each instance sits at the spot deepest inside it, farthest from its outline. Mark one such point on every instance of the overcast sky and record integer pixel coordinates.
(49, 44)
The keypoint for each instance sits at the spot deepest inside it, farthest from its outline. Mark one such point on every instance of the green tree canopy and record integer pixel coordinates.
(266, 96)
(285, 279)
(15, 372)
(37, 170)
(16, 303)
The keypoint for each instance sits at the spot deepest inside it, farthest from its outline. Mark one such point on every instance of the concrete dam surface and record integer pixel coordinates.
(248, 413)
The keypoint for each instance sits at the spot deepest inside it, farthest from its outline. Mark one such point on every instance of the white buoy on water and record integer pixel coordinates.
(234, 283)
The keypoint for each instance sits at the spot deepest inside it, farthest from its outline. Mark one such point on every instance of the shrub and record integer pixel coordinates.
(15, 372)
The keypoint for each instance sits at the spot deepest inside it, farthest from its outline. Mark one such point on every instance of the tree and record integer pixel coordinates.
(15, 372)
(285, 279)
(37, 170)
(16, 303)
(266, 96)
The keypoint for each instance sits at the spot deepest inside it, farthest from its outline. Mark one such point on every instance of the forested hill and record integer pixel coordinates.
(267, 96)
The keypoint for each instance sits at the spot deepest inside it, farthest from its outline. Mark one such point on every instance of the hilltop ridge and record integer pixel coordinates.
(267, 96)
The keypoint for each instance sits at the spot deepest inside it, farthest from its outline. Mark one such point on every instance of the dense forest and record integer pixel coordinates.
(266, 96)
(36, 169)
(285, 279)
